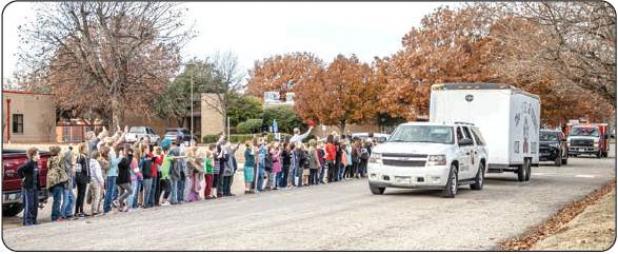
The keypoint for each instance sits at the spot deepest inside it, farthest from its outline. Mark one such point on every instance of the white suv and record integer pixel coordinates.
(431, 156)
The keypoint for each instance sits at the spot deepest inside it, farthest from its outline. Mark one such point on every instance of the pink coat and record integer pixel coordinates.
(276, 161)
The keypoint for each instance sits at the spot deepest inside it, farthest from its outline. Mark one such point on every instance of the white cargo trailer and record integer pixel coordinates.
(507, 117)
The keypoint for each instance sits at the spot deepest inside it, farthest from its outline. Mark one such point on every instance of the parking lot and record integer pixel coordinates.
(339, 216)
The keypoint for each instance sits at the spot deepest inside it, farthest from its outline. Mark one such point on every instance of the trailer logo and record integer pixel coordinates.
(469, 97)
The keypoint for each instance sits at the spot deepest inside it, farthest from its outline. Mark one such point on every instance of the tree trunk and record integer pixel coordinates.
(116, 112)
(342, 127)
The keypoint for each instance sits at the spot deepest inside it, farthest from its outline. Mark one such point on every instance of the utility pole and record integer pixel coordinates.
(191, 106)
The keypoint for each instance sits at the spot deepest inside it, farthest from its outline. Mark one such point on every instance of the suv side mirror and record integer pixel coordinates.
(465, 142)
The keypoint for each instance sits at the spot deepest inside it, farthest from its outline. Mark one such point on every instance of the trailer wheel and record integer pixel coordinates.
(528, 166)
(521, 173)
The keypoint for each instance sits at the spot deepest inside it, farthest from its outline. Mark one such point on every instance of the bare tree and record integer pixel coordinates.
(227, 82)
(104, 56)
(575, 41)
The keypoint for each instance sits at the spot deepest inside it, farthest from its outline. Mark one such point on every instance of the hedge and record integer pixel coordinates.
(241, 138)
(249, 126)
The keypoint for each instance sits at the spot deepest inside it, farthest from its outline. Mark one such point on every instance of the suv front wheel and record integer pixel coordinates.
(450, 190)
(376, 190)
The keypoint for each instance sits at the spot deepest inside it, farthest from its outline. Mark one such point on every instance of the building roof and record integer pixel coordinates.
(23, 92)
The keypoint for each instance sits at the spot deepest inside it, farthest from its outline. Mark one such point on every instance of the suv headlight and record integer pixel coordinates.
(375, 158)
(436, 160)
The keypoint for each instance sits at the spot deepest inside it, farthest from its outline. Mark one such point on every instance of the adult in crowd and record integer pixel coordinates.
(82, 178)
(249, 167)
(56, 180)
(96, 183)
(29, 173)
(285, 164)
(331, 153)
(68, 197)
(124, 178)
(314, 162)
(275, 155)
(229, 169)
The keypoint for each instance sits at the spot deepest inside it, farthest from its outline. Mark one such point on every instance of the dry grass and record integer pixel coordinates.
(586, 224)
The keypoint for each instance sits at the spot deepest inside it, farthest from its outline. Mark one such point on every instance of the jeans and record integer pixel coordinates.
(271, 183)
(321, 177)
(341, 171)
(110, 192)
(174, 191)
(227, 185)
(313, 176)
(292, 174)
(150, 199)
(331, 171)
(125, 192)
(159, 189)
(260, 179)
(56, 192)
(283, 176)
(181, 189)
(67, 202)
(299, 174)
(134, 193)
(147, 183)
(30, 199)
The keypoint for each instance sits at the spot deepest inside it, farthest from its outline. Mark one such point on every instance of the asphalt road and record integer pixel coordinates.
(338, 216)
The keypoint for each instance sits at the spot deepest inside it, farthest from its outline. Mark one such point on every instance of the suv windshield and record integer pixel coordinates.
(423, 133)
(549, 136)
(584, 131)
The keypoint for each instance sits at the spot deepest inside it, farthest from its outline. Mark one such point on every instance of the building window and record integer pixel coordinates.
(18, 123)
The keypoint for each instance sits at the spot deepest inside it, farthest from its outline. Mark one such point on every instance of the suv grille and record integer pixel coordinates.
(582, 142)
(403, 155)
(401, 163)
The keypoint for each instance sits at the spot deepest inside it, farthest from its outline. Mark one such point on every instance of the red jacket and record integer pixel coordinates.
(331, 151)
(154, 166)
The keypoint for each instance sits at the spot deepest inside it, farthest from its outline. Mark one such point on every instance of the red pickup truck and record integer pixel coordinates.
(12, 159)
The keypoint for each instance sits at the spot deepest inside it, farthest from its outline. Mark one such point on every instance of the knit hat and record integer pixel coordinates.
(166, 143)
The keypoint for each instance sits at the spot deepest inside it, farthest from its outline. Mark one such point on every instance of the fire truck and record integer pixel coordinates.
(587, 138)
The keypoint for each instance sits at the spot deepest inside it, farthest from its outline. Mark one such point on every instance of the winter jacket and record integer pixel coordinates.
(55, 171)
(124, 170)
(29, 173)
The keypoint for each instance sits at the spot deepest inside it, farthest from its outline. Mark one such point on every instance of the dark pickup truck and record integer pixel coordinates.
(12, 159)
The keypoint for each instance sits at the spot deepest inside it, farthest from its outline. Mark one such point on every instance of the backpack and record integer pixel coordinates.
(364, 154)
(303, 159)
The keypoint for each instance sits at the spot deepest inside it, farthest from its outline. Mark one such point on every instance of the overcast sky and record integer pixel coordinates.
(254, 31)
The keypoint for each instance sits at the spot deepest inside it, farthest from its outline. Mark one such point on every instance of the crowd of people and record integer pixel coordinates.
(110, 174)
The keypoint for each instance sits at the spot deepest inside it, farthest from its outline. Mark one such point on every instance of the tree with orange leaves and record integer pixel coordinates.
(282, 72)
(345, 93)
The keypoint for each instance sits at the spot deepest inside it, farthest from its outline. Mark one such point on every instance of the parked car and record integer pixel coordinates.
(553, 147)
(12, 159)
(379, 137)
(591, 139)
(508, 117)
(178, 133)
(430, 156)
(136, 133)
